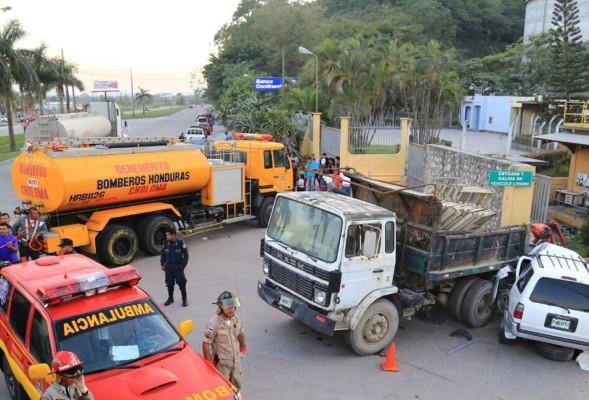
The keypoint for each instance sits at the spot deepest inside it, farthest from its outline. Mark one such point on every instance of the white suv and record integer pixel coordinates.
(549, 302)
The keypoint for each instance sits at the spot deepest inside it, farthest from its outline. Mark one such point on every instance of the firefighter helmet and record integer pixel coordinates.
(64, 361)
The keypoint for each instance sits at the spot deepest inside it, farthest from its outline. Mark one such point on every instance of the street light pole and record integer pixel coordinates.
(303, 50)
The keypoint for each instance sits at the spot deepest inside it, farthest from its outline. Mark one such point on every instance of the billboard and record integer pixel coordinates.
(106, 86)
(271, 84)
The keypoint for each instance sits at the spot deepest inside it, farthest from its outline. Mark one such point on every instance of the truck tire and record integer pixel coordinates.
(376, 329)
(265, 212)
(15, 390)
(555, 353)
(152, 233)
(117, 245)
(476, 310)
(454, 305)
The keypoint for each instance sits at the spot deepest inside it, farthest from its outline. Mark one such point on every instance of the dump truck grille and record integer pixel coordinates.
(303, 266)
(295, 282)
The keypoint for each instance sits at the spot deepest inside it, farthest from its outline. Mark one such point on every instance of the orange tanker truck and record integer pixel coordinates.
(113, 198)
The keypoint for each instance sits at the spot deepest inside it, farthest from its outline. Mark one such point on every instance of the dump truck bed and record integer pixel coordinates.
(446, 255)
(425, 248)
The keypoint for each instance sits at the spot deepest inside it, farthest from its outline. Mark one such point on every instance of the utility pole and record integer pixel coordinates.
(132, 94)
(67, 91)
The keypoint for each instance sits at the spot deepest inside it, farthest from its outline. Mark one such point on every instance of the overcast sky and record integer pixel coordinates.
(162, 42)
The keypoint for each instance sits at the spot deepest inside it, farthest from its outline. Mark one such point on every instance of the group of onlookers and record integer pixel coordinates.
(311, 176)
(22, 241)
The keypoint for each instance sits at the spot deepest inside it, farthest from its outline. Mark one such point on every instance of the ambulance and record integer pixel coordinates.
(128, 347)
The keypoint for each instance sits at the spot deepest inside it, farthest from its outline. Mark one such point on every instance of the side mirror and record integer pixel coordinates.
(370, 246)
(185, 327)
(41, 371)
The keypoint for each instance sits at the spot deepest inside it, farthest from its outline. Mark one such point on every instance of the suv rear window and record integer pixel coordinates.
(566, 294)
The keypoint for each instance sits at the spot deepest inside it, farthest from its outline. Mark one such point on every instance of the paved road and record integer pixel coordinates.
(288, 361)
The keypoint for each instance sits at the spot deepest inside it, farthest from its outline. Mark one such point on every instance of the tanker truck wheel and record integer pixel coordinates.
(265, 212)
(117, 245)
(376, 329)
(152, 233)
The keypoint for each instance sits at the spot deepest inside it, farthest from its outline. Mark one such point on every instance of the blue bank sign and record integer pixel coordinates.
(510, 178)
(268, 84)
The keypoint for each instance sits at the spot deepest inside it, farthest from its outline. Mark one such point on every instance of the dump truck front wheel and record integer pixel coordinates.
(376, 329)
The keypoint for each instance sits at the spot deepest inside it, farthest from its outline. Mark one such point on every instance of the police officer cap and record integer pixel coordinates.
(228, 300)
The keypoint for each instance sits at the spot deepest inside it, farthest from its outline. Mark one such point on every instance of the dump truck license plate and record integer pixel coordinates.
(285, 301)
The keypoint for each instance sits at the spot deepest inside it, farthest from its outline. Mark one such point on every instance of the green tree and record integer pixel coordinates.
(430, 88)
(142, 96)
(15, 68)
(519, 70)
(47, 72)
(568, 57)
(244, 110)
(66, 78)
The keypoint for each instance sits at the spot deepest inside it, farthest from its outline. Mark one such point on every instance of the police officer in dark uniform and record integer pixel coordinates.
(173, 260)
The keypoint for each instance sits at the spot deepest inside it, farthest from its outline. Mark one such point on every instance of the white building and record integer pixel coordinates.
(491, 113)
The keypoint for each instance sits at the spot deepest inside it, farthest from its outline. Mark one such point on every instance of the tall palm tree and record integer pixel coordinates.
(65, 78)
(15, 68)
(141, 96)
(46, 72)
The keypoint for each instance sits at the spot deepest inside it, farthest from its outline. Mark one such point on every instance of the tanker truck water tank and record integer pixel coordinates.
(79, 125)
(78, 178)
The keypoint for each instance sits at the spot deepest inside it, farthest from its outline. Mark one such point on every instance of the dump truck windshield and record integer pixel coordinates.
(307, 229)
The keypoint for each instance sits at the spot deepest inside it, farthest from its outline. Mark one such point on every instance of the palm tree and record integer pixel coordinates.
(142, 96)
(65, 78)
(14, 68)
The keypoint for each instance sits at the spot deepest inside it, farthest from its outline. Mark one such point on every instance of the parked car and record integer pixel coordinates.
(3, 119)
(203, 122)
(195, 136)
(549, 302)
(146, 108)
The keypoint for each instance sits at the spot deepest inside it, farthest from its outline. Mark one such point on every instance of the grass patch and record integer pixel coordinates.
(376, 149)
(558, 171)
(5, 153)
(574, 243)
(163, 112)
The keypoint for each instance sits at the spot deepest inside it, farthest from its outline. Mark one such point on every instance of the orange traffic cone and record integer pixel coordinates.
(390, 363)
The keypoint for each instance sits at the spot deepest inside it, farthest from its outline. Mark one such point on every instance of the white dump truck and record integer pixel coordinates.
(337, 263)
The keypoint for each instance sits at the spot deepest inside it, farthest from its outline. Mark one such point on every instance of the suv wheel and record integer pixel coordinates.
(555, 353)
(15, 390)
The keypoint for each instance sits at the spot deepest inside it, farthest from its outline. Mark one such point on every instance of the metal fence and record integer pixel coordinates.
(415, 153)
(541, 197)
(330, 141)
(383, 139)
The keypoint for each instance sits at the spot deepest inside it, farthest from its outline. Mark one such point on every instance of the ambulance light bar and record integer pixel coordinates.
(88, 284)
